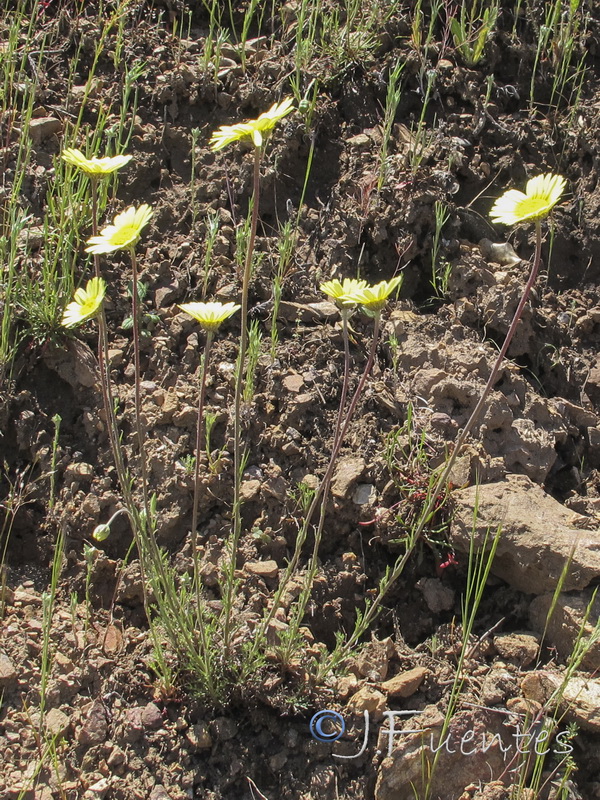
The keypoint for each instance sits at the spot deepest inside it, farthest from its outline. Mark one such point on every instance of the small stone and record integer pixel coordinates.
(115, 357)
(97, 790)
(159, 793)
(165, 295)
(367, 699)
(79, 471)
(372, 662)
(278, 761)
(91, 506)
(499, 253)
(199, 737)
(224, 728)
(169, 406)
(151, 716)
(57, 722)
(95, 728)
(276, 487)
(445, 66)
(579, 699)
(594, 437)
(498, 684)
(264, 569)
(8, 673)
(440, 421)
(44, 127)
(360, 140)
(437, 596)
(365, 493)
(116, 757)
(293, 382)
(519, 647)
(406, 683)
(583, 326)
(133, 728)
(346, 685)
(290, 449)
(310, 481)
(186, 417)
(348, 471)
(131, 587)
(274, 630)
(249, 490)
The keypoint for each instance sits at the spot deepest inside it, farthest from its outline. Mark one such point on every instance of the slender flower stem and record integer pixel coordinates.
(345, 314)
(200, 624)
(199, 431)
(109, 410)
(239, 388)
(441, 483)
(139, 424)
(326, 482)
(103, 364)
(442, 480)
(322, 493)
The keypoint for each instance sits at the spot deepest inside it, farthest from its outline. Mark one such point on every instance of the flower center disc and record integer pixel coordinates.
(531, 207)
(125, 235)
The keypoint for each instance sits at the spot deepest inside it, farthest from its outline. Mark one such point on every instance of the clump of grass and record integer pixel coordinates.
(440, 272)
(471, 29)
(392, 101)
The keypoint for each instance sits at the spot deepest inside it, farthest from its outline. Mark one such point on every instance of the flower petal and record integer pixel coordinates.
(542, 193)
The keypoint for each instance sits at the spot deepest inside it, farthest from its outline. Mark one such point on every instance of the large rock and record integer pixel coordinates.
(476, 744)
(563, 628)
(577, 698)
(538, 535)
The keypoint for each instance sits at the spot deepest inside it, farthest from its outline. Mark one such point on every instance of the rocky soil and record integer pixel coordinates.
(531, 465)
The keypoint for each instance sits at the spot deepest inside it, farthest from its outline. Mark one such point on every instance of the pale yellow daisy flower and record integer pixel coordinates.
(253, 129)
(210, 315)
(86, 304)
(343, 292)
(374, 298)
(94, 166)
(124, 233)
(542, 193)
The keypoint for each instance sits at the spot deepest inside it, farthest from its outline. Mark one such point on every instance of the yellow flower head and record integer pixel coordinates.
(373, 298)
(210, 315)
(124, 233)
(94, 166)
(343, 293)
(542, 193)
(86, 304)
(253, 129)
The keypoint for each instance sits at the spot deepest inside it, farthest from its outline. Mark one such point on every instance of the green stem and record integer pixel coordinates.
(239, 387)
(139, 424)
(199, 430)
(345, 314)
